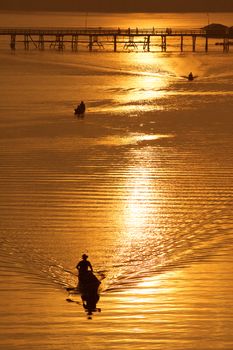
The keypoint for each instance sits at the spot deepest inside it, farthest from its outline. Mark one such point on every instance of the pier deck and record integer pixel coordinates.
(111, 39)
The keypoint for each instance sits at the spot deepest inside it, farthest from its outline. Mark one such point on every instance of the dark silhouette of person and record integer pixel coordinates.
(82, 107)
(80, 110)
(84, 266)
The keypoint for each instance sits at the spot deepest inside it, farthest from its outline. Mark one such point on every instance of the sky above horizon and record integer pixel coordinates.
(120, 5)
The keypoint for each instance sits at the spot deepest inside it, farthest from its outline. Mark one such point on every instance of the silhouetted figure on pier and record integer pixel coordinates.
(80, 110)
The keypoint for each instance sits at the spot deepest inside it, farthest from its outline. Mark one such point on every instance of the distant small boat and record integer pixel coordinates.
(190, 77)
(80, 110)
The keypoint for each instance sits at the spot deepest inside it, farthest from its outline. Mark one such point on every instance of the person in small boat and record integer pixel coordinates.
(190, 76)
(83, 267)
(88, 285)
(81, 108)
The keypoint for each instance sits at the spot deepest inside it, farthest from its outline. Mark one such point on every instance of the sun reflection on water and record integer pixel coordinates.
(140, 206)
(131, 138)
(151, 290)
(146, 83)
(140, 243)
(138, 202)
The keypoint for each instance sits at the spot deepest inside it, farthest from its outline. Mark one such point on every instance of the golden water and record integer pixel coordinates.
(143, 184)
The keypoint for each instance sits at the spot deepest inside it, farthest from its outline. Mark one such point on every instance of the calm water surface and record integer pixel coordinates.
(143, 184)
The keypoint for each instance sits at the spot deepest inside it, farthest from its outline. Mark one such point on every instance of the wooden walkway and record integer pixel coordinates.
(111, 39)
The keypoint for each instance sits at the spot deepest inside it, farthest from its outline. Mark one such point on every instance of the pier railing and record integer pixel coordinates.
(100, 30)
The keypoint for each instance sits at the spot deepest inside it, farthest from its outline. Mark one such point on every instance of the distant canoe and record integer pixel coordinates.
(190, 78)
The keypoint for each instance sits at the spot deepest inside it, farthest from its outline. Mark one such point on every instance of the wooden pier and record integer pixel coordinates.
(114, 39)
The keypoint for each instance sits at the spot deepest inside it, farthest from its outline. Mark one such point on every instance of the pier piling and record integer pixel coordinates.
(163, 43)
(206, 44)
(181, 43)
(115, 42)
(41, 42)
(13, 41)
(194, 42)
